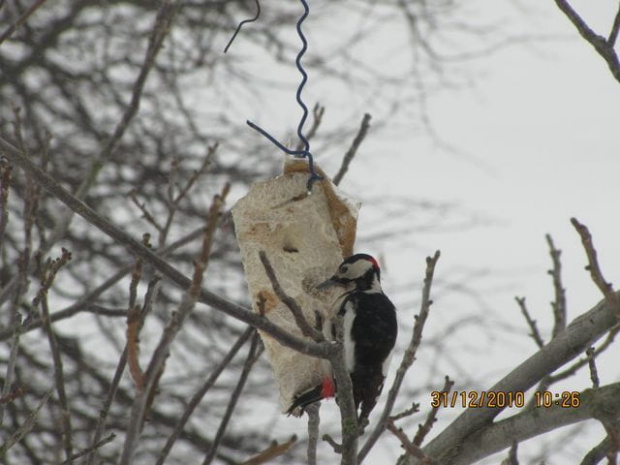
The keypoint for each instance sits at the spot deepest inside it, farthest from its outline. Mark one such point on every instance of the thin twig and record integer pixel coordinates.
(314, 420)
(535, 334)
(604, 47)
(593, 267)
(8, 32)
(575, 367)
(151, 293)
(559, 304)
(306, 328)
(11, 364)
(15, 318)
(590, 353)
(46, 282)
(175, 200)
(415, 408)
(199, 395)
(206, 163)
(597, 453)
(431, 418)
(317, 118)
(136, 276)
(408, 357)
(613, 433)
(90, 449)
(134, 325)
(5, 183)
(348, 157)
(13, 395)
(335, 446)
(512, 455)
(25, 427)
(146, 214)
(255, 351)
(615, 28)
(411, 448)
(272, 452)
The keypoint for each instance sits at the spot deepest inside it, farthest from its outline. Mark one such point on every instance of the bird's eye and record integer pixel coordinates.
(344, 269)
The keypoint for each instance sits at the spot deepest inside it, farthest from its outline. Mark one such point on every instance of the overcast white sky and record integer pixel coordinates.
(539, 129)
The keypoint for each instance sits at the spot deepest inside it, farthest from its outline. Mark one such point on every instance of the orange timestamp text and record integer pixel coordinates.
(503, 399)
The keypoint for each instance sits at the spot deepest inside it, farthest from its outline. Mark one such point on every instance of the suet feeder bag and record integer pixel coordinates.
(305, 237)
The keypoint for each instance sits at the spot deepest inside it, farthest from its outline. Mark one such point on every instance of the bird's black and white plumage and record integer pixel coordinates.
(369, 333)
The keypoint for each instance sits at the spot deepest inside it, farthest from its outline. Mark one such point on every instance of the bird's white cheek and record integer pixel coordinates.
(349, 343)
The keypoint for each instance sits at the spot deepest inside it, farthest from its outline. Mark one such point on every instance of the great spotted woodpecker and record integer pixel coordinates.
(370, 329)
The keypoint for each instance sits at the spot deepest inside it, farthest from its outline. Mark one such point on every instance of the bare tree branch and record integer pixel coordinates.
(314, 420)
(594, 268)
(348, 157)
(559, 305)
(431, 418)
(5, 182)
(48, 275)
(90, 449)
(615, 28)
(592, 364)
(23, 430)
(415, 408)
(603, 46)
(317, 118)
(273, 451)
(8, 32)
(597, 453)
(348, 414)
(579, 335)
(533, 422)
(530, 322)
(572, 369)
(411, 448)
(512, 455)
(306, 328)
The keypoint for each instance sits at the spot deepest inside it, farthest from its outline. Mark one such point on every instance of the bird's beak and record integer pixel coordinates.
(327, 284)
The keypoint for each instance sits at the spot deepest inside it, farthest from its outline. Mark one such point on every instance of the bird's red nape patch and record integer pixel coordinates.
(374, 262)
(328, 388)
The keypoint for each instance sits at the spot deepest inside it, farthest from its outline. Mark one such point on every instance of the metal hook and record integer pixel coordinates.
(305, 153)
(251, 20)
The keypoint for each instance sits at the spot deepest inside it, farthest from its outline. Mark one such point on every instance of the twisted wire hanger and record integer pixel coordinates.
(305, 151)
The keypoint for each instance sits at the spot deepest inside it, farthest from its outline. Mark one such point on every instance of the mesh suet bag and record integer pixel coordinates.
(305, 237)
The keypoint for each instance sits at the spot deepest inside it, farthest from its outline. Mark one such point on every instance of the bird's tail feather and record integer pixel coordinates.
(312, 395)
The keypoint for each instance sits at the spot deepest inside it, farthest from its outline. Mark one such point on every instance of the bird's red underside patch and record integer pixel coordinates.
(328, 389)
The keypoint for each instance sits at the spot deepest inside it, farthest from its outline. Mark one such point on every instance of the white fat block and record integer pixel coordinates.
(305, 238)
